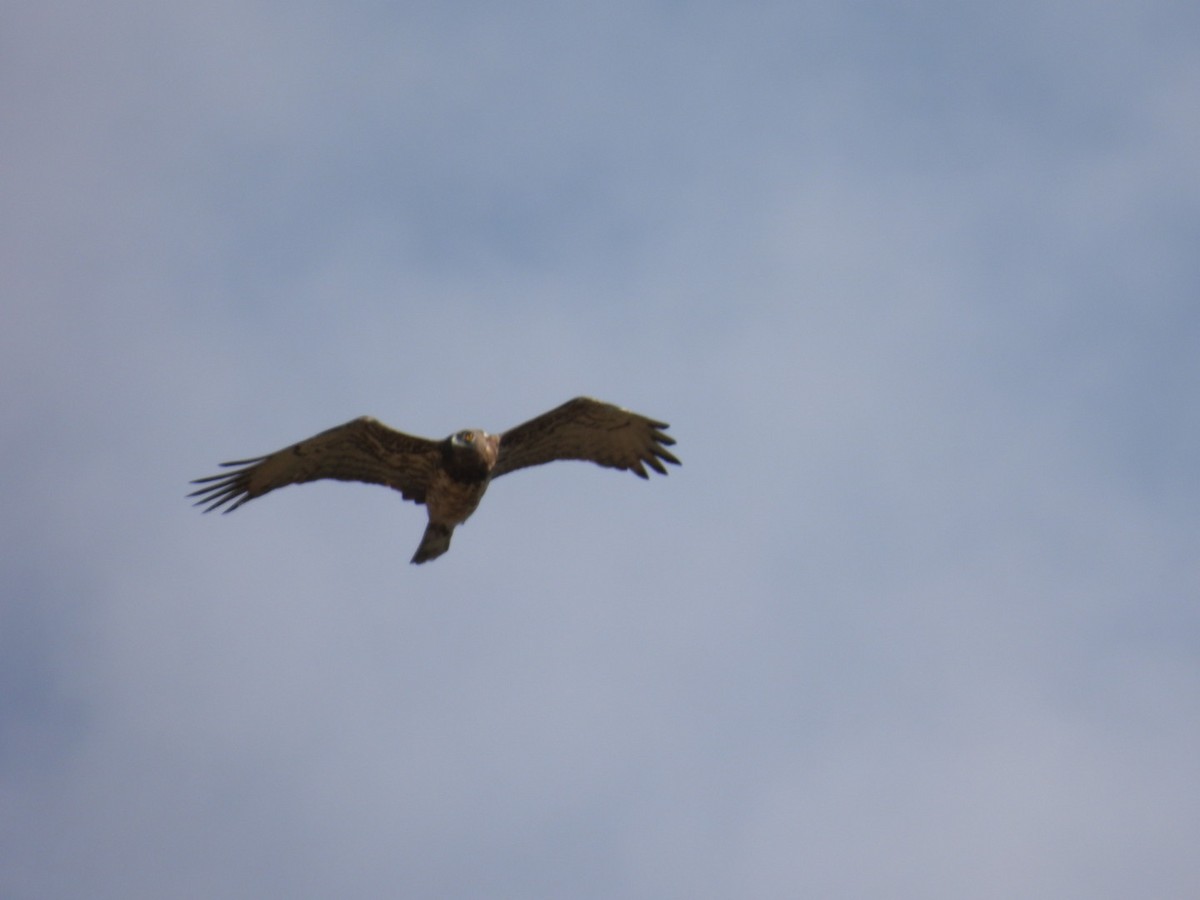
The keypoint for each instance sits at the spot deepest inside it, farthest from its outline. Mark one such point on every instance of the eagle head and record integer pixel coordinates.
(469, 455)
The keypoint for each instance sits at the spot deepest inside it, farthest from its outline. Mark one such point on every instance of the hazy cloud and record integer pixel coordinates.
(915, 288)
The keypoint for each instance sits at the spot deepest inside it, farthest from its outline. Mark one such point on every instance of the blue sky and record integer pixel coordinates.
(916, 287)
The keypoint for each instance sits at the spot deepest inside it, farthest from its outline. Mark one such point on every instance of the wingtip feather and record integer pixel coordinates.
(242, 462)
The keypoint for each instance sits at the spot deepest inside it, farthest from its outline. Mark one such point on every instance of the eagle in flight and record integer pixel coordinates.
(448, 476)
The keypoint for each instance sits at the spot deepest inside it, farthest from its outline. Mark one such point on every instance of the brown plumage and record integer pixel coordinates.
(450, 476)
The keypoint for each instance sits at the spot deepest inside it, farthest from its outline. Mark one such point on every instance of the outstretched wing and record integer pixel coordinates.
(587, 429)
(361, 450)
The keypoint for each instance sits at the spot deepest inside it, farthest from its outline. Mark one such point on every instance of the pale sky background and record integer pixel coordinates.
(916, 285)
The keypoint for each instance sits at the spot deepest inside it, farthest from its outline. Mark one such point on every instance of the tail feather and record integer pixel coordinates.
(434, 543)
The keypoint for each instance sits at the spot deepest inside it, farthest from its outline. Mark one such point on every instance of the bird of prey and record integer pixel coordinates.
(448, 476)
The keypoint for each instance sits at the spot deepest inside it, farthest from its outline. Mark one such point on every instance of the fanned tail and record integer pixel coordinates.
(434, 543)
